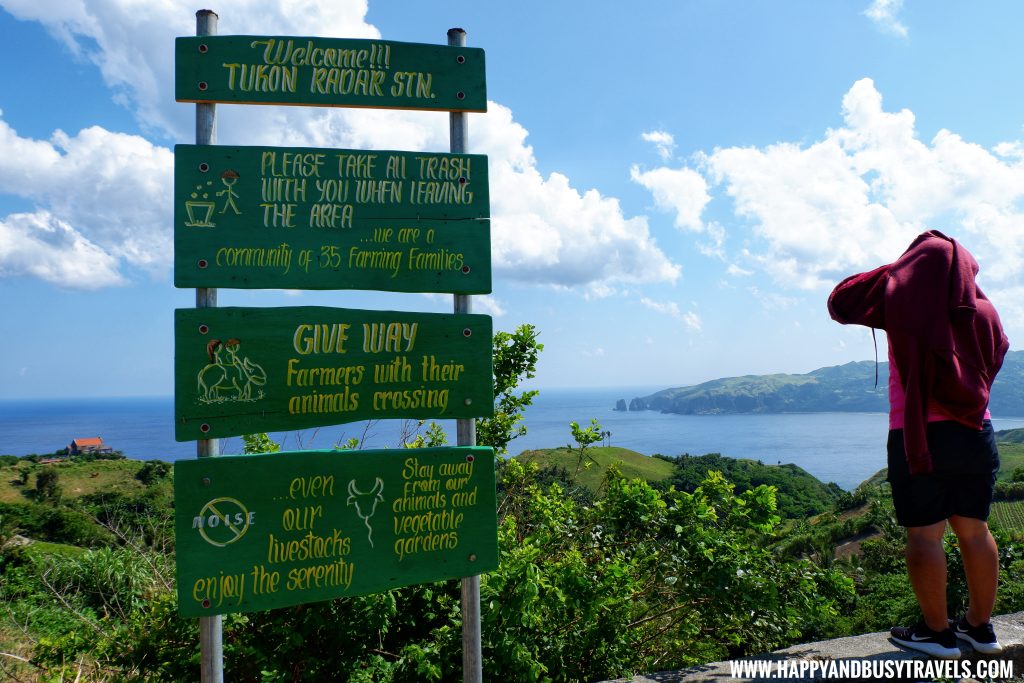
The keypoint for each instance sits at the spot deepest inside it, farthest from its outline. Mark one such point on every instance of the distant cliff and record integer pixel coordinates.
(839, 388)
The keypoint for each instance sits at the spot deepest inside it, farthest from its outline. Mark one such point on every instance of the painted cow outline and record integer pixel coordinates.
(366, 503)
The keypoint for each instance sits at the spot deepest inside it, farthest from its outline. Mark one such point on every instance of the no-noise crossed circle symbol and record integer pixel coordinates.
(223, 521)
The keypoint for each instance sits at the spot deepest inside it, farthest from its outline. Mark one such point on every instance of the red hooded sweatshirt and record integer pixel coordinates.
(946, 338)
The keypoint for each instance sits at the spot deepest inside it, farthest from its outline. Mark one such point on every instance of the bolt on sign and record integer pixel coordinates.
(329, 72)
(307, 218)
(245, 370)
(256, 532)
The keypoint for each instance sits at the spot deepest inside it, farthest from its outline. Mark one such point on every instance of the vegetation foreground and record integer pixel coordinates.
(689, 559)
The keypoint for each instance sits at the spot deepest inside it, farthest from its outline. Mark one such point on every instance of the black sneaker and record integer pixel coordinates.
(982, 638)
(936, 643)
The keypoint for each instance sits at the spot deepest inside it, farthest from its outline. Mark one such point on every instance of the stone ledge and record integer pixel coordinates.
(871, 647)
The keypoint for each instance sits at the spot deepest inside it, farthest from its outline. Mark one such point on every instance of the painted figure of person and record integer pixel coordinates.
(946, 345)
(229, 178)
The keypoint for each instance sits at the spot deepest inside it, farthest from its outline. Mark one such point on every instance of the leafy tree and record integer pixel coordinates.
(799, 494)
(259, 443)
(47, 484)
(515, 357)
(435, 436)
(584, 437)
(153, 471)
(590, 591)
(57, 523)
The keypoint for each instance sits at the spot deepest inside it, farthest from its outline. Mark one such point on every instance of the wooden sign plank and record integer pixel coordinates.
(329, 72)
(307, 218)
(245, 370)
(263, 531)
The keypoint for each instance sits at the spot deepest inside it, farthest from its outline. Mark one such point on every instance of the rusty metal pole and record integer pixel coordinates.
(472, 656)
(211, 645)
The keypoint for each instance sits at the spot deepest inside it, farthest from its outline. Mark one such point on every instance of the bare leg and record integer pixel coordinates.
(981, 565)
(926, 566)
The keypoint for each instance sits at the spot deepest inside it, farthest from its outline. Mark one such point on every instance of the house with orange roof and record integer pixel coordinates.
(88, 445)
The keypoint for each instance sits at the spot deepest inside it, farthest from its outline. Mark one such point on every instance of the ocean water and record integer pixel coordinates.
(845, 448)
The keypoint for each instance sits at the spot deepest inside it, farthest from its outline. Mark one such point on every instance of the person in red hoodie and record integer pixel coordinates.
(946, 345)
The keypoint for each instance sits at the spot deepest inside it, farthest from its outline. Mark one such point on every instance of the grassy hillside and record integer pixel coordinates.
(844, 387)
(1011, 457)
(1010, 436)
(76, 479)
(798, 493)
(633, 465)
(849, 387)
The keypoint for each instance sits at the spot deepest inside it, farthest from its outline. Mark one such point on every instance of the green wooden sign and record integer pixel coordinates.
(306, 218)
(257, 532)
(245, 370)
(329, 72)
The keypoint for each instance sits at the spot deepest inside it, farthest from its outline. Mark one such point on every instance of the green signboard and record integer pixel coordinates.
(329, 72)
(245, 370)
(257, 532)
(306, 218)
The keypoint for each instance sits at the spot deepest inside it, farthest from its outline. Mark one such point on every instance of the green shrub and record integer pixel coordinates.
(1012, 490)
(56, 524)
(47, 484)
(153, 471)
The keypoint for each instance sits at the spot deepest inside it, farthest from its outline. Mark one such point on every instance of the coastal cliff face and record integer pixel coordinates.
(842, 388)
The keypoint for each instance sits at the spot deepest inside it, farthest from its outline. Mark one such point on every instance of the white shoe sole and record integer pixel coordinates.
(933, 649)
(984, 648)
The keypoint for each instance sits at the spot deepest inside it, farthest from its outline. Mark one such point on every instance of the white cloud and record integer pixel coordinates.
(662, 141)
(110, 191)
(481, 303)
(671, 309)
(1011, 150)
(42, 246)
(883, 13)
(1009, 301)
(811, 214)
(544, 230)
(809, 206)
(681, 190)
(489, 305)
(772, 300)
(131, 43)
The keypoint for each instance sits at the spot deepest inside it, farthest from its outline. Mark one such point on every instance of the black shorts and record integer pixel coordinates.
(964, 462)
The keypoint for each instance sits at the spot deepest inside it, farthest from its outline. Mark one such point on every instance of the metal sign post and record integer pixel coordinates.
(472, 656)
(211, 643)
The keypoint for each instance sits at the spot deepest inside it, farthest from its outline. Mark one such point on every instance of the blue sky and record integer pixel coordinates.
(675, 186)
